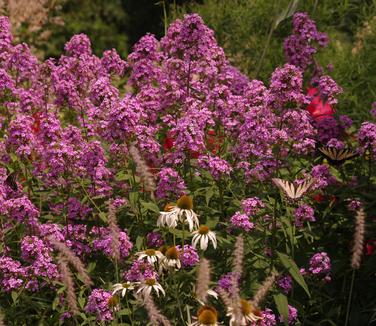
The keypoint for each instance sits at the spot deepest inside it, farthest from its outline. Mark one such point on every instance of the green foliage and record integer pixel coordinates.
(103, 21)
(242, 28)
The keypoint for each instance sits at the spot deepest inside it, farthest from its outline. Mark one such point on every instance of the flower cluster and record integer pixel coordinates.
(99, 304)
(320, 266)
(241, 221)
(304, 213)
(300, 46)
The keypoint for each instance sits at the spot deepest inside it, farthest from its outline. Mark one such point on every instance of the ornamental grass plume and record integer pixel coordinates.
(224, 296)
(264, 289)
(114, 232)
(357, 249)
(143, 170)
(73, 260)
(238, 255)
(237, 272)
(203, 280)
(155, 316)
(67, 279)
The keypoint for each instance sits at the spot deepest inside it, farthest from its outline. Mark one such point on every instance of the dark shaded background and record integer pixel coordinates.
(109, 24)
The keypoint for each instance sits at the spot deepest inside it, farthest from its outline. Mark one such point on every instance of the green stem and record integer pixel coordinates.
(129, 309)
(219, 185)
(116, 270)
(350, 298)
(177, 294)
(165, 22)
(315, 7)
(369, 169)
(265, 49)
(274, 233)
(88, 196)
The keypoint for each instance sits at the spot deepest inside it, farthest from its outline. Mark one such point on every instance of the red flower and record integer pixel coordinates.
(370, 247)
(317, 108)
(214, 143)
(36, 125)
(319, 198)
(168, 143)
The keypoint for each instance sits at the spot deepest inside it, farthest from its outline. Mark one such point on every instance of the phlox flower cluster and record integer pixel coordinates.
(241, 221)
(304, 213)
(293, 315)
(319, 266)
(98, 304)
(188, 256)
(250, 206)
(285, 283)
(301, 45)
(170, 184)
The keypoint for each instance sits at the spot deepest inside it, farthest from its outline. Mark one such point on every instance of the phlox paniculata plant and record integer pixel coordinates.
(120, 176)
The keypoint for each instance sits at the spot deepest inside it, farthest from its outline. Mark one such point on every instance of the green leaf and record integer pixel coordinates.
(124, 312)
(81, 302)
(209, 194)
(13, 157)
(179, 233)
(123, 176)
(282, 306)
(139, 242)
(14, 296)
(55, 303)
(150, 206)
(103, 217)
(133, 199)
(293, 269)
(91, 266)
(212, 222)
(286, 13)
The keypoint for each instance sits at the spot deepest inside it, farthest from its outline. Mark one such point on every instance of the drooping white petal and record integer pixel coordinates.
(204, 242)
(213, 239)
(195, 240)
(148, 291)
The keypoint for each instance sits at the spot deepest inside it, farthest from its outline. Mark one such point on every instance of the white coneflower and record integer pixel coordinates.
(182, 212)
(206, 316)
(123, 287)
(149, 285)
(249, 314)
(171, 258)
(212, 293)
(150, 255)
(203, 235)
(167, 217)
(113, 303)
